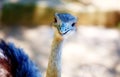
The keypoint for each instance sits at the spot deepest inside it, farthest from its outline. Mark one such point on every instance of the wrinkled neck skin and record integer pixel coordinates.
(54, 64)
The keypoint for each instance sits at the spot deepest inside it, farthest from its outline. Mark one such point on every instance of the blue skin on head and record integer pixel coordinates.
(65, 22)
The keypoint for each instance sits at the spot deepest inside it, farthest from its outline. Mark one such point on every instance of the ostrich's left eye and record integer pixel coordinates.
(55, 20)
(73, 24)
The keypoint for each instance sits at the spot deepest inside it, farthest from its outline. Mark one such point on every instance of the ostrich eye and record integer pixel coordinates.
(55, 20)
(73, 24)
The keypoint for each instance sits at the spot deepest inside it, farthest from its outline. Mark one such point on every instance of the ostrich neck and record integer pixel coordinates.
(54, 64)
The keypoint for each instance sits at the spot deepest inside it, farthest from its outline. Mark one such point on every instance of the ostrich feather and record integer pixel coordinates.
(21, 65)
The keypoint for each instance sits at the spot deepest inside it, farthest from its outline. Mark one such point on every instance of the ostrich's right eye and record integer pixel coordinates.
(55, 20)
(73, 24)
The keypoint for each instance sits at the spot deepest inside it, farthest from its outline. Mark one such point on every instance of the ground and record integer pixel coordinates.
(90, 52)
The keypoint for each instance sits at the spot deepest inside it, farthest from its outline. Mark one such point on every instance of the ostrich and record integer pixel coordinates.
(15, 63)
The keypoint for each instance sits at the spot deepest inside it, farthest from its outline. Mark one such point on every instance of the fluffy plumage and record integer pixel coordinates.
(20, 63)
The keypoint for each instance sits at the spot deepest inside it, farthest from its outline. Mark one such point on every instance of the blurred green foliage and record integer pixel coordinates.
(26, 14)
(30, 14)
(16, 13)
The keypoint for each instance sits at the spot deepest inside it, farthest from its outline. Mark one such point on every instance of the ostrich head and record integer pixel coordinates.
(65, 23)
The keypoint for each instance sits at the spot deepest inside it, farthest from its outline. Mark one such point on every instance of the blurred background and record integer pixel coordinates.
(93, 51)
